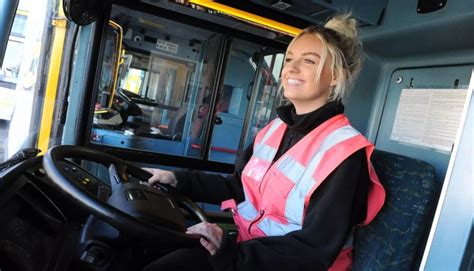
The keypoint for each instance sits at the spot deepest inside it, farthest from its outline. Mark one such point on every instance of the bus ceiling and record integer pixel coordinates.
(281, 16)
(301, 14)
(285, 17)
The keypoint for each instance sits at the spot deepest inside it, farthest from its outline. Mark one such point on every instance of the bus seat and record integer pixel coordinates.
(176, 124)
(393, 240)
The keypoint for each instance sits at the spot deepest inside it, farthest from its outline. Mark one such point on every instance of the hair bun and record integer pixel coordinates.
(343, 25)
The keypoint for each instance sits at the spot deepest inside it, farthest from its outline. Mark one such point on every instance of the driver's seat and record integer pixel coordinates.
(176, 124)
(392, 241)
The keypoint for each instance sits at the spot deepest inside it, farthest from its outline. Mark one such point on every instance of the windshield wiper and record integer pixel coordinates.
(18, 157)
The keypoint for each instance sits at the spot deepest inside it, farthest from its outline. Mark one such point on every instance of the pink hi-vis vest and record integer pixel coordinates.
(277, 194)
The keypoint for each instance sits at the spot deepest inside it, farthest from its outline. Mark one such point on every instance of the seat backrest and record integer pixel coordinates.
(392, 240)
(176, 124)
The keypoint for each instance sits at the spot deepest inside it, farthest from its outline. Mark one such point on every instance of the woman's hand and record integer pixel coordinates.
(161, 176)
(211, 235)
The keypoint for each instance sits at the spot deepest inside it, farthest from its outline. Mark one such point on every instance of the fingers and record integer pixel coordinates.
(157, 177)
(212, 234)
(162, 176)
(208, 245)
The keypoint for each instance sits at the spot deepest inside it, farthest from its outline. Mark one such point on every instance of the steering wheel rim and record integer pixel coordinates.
(119, 219)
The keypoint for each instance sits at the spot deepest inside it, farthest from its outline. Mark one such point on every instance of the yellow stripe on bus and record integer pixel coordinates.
(52, 81)
(246, 16)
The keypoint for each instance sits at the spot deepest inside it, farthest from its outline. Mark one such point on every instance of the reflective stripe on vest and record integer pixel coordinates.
(247, 210)
(273, 127)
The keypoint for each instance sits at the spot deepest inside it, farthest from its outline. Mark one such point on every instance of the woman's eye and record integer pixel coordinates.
(309, 61)
(288, 60)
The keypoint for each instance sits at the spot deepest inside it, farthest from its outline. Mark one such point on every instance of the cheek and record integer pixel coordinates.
(283, 76)
(312, 79)
(326, 76)
(327, 72)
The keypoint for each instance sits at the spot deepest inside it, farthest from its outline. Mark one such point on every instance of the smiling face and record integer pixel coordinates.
(299, 75)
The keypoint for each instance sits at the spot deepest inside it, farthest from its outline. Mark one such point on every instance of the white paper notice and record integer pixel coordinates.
(429, 117)
(167, 46)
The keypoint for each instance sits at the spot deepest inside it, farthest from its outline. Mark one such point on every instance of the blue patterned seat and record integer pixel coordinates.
(393, 239)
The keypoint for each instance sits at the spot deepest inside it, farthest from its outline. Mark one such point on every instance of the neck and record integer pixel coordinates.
(302, 107)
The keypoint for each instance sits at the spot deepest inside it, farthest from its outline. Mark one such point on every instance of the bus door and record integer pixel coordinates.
(247, 99)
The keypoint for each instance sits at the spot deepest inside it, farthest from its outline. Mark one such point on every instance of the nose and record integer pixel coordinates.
(292, 66)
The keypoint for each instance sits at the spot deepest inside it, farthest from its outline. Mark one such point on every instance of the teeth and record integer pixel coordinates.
(294, 82)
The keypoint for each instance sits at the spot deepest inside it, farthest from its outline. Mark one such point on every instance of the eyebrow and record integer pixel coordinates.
(312, 53)
(307, 53)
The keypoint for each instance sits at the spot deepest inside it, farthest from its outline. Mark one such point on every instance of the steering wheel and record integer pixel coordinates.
(136, 98)
(128, 207)
(131, 108)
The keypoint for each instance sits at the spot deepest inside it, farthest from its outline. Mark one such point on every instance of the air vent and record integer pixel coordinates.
(282, 5)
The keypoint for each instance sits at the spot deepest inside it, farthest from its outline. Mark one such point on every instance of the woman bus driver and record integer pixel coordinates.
(305, 182)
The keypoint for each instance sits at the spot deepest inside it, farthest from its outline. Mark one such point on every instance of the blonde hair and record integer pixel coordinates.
(339, 40)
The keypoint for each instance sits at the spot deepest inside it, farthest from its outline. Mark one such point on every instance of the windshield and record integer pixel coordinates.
(21, 77)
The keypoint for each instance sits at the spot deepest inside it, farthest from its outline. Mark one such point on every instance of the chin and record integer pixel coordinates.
(289, 91)
(287, 95)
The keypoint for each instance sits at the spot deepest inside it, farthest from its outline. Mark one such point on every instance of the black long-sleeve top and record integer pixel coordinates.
(334, 208)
